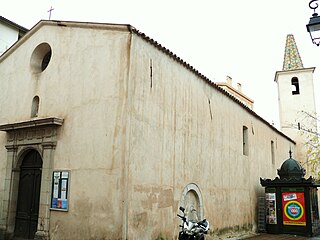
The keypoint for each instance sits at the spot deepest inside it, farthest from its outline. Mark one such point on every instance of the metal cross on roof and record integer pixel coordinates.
(49, 11)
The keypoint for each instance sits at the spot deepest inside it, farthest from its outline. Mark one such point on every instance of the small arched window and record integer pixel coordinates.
(295, 86)
(272, 153)
(35, 107)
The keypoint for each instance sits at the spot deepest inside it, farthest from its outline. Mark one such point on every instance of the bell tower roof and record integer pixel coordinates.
(292, 59)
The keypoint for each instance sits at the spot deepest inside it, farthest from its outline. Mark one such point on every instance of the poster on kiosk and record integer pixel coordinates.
(293, 208)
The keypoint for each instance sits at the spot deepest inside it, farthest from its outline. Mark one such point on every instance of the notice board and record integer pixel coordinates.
(60, 190)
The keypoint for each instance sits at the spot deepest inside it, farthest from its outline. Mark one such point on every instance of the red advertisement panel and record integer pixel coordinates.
(293, 208)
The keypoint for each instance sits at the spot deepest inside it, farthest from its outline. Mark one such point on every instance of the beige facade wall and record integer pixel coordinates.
(139, 128)
(84, 84)
(185, 131)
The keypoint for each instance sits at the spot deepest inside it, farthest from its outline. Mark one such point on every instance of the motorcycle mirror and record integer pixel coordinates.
(182, 209)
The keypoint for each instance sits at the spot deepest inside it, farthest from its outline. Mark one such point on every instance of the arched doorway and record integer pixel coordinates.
(28, 196)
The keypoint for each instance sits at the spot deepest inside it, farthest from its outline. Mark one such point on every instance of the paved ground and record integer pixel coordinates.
(265, 236)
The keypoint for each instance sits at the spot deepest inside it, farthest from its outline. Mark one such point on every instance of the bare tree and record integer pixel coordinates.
(308, 125)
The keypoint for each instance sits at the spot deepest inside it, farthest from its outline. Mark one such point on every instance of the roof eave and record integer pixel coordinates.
(13, 24)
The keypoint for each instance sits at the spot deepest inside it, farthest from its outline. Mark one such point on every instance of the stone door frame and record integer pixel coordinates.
(39, 135)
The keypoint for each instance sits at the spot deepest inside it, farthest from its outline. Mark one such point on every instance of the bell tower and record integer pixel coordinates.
(295, 97)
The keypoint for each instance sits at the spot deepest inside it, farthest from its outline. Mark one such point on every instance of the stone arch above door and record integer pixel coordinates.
(39, 135)
(22, 151)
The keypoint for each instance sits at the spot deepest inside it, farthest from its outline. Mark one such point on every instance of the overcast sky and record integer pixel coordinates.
(244, 39)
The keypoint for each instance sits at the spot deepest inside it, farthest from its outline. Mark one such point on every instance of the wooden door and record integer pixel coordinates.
(28, 196)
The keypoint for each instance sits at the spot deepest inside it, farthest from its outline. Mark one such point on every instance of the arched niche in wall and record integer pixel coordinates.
(192, 201)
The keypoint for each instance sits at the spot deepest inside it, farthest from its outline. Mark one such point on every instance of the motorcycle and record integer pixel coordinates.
(192, 230)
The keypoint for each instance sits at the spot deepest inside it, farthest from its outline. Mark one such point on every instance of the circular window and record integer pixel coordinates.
(41, 57)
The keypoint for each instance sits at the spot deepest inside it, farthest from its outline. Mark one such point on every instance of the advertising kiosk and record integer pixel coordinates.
(291, 201)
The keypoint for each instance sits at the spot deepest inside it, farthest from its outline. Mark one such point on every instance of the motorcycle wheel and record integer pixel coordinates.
(200, 238)
(183, 236)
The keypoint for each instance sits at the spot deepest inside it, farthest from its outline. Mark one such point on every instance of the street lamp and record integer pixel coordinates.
(313, 26)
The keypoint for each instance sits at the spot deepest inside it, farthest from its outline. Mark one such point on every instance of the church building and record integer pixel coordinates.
(104, 133)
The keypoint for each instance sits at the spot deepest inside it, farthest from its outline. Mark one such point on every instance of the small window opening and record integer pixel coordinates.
(295, 86)
(245, 145)
(151, 73)
(35, 107)
(272, 153)
(210, 109)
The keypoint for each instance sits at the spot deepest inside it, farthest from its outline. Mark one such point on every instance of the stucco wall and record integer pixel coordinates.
(134, 142)
(175, 140)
